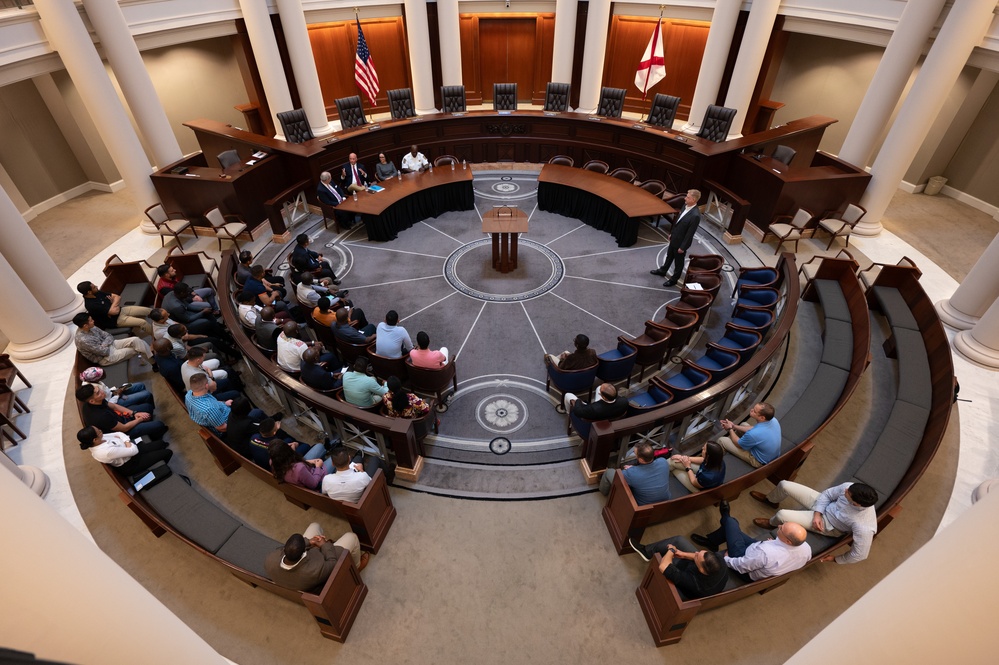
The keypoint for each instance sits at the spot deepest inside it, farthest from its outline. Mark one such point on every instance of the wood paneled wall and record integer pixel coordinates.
(506, 48)
(334, 46)
(683, 48)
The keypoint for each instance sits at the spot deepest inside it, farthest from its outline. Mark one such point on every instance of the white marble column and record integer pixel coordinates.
(594, 49)
(31, 476)
(962, 31)
(762, 15)
(450, 36)
(420, 69)
(64, 28)
(303, 63)
(34, 266)
(565, 40)
(33, 335)
(981, 343)
(268, 58)
(899, 59)
(709, 76)
(976, 293)
(119, 46)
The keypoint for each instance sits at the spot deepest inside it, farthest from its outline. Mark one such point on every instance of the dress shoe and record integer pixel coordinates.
(365, 557)
(764, 523)
(638, 547)
(658, 272)
(669, 283)
(762, 498)
(723, 508)
(698, 539)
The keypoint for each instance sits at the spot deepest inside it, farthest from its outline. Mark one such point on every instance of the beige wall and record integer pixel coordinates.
(974, 170)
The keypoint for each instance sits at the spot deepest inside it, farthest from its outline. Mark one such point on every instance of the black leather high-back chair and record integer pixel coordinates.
(350, 111)
(717, 121)
(401, 103)
(505, 96)
(784, 154)
(663, 111)
(453, 98)
(611, 102)
(557, 97)
(295, 126)
(228, 158)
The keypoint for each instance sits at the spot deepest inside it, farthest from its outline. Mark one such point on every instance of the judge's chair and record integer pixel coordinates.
(350, 111)
(504, 96)
(401, 103)
(611, 102)
(717, 121)
(295, 126)
(663, 111)
(452, 99)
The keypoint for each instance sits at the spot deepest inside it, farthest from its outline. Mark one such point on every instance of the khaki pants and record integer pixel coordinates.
(725, 441)
(122, 349)
(134, 317)
(347, 541)
(803, 495)
(681, 474)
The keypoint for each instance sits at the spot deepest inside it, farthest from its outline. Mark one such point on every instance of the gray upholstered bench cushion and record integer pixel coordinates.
(191, 514)
(133, 294)
(195, 281)
(914, 382)
(895, 308)
(247, 549)
(837, 344)
(815, 403)
(896, 447)
(832, 299)
(116, 374)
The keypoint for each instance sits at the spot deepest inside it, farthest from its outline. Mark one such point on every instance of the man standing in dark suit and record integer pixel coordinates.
(330, 194)
(679, 241)
(353, 176)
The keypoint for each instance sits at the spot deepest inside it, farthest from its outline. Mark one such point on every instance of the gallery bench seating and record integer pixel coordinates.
(902, 453)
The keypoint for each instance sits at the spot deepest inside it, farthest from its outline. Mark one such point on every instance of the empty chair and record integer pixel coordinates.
(663, 111)
(349, 351)
(611, 102)
(757, 277)
(504, 96)
(452, 99)
(752, 319)
(434, 380)
(562, 160)
(719, 361)
(578, 381)
(841, 225)
(624, 173)
(811, 267)
(696, 302)
(384, 367)
(758, 297)
(228, 158)
(738, 340)
(656, 395)
(557, 97)
(673, 200)
(446, 160)
(9, 371)
(654, 187)
(652, 346)
(295, 126)
(717, 121)
(704, 263)
(689, 381)
(350, 111)
(401, 103)
(708, 281)
(681, 326)
(784, 154)
(617, 364)
(227, 227)
(789, 230)
(169, 224)
(596, 166)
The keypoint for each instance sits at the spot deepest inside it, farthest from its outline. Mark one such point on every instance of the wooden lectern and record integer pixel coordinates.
(504, 224)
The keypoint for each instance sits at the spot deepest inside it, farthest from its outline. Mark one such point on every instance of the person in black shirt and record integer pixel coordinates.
(696, 573)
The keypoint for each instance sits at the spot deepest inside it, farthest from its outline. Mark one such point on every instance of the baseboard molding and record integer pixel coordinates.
(71, 194)
(910, 188)
(972, 201)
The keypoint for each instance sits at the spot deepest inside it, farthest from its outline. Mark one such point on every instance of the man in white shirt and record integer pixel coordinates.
(349, 480)
(118, 450)
(414, 160)
(309, 292)
(290, 349)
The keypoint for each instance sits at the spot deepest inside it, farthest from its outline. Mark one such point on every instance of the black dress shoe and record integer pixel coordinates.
(658, 272)
(698, 539)
(723, 508)
(669, 283)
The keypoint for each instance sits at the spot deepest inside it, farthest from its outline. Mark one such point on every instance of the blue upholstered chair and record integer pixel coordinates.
(757, 277)
(578, 381)
(718, 361)
(689, 381)
(618, 363)
(758, 297)
(752, 319)
(656, 395)
(738, 340)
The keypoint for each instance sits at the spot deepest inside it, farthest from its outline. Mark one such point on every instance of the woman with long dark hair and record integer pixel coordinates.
(401, 403)
(702, 472)
(290, 467)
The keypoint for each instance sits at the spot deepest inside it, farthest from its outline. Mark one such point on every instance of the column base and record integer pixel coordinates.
(955, 318)
(35, 479)
(975, 351)
(148, 228)
(324, 131)
(55, 341)
(731, 239)
(868, 229)
(66, 313)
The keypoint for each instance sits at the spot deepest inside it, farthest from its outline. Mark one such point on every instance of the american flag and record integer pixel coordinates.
(364, 67)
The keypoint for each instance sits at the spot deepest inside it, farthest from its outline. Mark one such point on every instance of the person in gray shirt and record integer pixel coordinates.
(393, 340)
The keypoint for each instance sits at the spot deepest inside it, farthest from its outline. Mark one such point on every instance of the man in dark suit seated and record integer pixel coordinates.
(353, 176)
(316, 375)
(687, 221)
(306, 560)
(582, 357)
(330, 194)
(304, 259)
(607, 406)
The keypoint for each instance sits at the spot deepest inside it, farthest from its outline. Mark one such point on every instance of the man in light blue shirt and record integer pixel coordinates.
(649, 479)
(756, 441)
(393, 340)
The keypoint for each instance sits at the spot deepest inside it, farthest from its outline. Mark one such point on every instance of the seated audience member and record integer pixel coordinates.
(756, 441)
(182, 339)
(128, 394)
(218, 383)
(203, 297)
(267, 329)
(135, 421)
(265, 295)
(161, 321)
(117, 450)
(787, 551)
(108, 312)
(393, 340)
(269, 432)
(204, 408)
(414, 161)
(169, 365)
(243, 423)
(581, 358)
(288, 466)
(385, 169)
(290, 349)
(359, 321)
(317, 376)
(305, 562)
(696, 573)
(183, 308)
(305, 260)
(648, 480)
(422, 356)
(401, 403)
(247, 309)
(100, 347)
(243, 267)
(330, 194)
(345, 332)
(350, 479)
(323, 313)
(360, 388)
(308, 291)
(846, 508)
(607, 406)
(703, 472)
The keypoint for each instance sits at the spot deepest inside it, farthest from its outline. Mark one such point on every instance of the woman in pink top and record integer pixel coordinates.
(290, 467)
(422, 356)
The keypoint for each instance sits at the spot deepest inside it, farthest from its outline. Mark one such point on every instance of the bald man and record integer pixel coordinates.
(353, 176)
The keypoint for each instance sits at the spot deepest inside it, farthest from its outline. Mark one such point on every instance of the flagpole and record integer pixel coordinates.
(645, 93)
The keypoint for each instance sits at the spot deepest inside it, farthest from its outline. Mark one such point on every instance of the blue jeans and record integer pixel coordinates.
(136, 394)
(315, 451)
(730, 533)
(154, 429)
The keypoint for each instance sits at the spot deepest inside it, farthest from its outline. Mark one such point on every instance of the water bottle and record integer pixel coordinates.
(452, 165)
(355, 194)
(431, 169)
(399, 173)
(463, 165)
